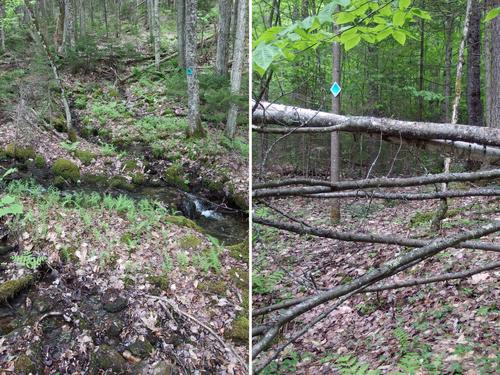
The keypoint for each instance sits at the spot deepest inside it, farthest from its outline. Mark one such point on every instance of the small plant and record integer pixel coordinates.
(10, 206)
(182, 259)
(402, 337)
(69, 146)
(108, 150)
(262, 284)
(28, 260)
(167, 264)
(208, 260)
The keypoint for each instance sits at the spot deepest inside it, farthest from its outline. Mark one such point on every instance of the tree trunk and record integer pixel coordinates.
(447, 74)
(151, 25)
(2, 31)
(68, 32)
(195, 128)
(156, 28)
(105, 5)
(224, 26)
(234, 20)
(334, 136)
(474, 103)
(237, 68)
(494, 82)
(181, 36)
(421, 72)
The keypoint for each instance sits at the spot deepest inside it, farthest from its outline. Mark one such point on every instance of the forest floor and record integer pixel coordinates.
(447, 327)
(125, 283)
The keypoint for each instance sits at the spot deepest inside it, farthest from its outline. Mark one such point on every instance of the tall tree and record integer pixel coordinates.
(223, 40)
(448, 53)
(156, 31)
(493, 81)
(334, 137)
(237, 68)
(474, 103)
(195, 128)
(68, 40)
(180, 6)
(2, 29)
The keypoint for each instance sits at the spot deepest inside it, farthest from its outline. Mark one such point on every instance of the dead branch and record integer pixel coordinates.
(368, 238)
(410, 196)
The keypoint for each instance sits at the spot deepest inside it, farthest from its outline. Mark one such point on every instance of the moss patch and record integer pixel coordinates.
(66, 169)
(189, 241)
(161, 282)
(240, 251)
(86, 157)
(68, 255)
(183, 222)
(239, 277)
(215, 287)
(138, 178)
(40, 162)
(174, 175)
(94, 179)
(19, 153)
(11, 288)
(25, 365)
(59, 123)
(130, 165)
(120, 182)
(239, 331)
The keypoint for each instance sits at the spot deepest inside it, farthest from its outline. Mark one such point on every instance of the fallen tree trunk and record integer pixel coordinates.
(378, 288)
(369, 278)
(301, 120)
(410, 196)
(321, 186)
(367, 238)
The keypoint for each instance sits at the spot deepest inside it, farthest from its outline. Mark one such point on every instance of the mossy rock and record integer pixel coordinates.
(94, 179)
(25, 365)
(240, 251)
(215, 186)
(113, 301)
(20, 153)
(141, 349)
(174, 175)
(40, 162)
(66, 169)
(120, 182)
(215, 287)
(72, 135)
(130, 165)
(239, 277)
(138, 178)
(189, 241)
(86, 157)
(161, 282)
(107, 358)
(59, 123)
(239, 331)
(11, 288)
(59, 182)
(183, 221)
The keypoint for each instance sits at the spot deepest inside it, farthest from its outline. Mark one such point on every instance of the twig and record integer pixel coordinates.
(165, 301)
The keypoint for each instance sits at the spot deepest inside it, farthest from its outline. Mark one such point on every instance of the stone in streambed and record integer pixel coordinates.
(141, 349)
(107, 358)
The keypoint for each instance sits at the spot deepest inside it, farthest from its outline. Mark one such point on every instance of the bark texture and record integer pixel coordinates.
(2, 31)
(237, 68)
(334, 136)
(494, 83)
(300, 120)
(474, 103)
(223, 37)
(156, 32)
(68, 40)
(180, 7)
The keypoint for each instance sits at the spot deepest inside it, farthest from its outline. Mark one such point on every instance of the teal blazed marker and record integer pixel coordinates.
(189, 71)
(335, 89)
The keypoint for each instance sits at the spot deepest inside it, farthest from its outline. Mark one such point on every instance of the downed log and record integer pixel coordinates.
(11, 288)
(410, 196)
(322, 186)
(368, 238)
(301, 120)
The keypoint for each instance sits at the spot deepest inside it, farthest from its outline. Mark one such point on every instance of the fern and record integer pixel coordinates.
(28, 260)
(402, 337)
(410, 363)
(350, 365)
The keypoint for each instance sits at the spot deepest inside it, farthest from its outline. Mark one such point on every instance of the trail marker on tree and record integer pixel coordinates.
(189, 71)
(335, 89)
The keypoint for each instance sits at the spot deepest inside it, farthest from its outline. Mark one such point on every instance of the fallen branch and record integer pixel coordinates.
(369, 278)
(165, 301)
(324, 122)
(368, 238)
(395, 285)
(410, 196)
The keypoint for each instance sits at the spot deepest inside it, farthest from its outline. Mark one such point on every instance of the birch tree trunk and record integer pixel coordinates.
(334, 136)
(180, 6)
(237, 68)
(195, 128)
(224, 27)
(447, 73)
(156, 28)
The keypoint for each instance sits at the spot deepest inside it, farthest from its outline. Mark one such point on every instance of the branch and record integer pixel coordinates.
(368, 238)
(410, 196)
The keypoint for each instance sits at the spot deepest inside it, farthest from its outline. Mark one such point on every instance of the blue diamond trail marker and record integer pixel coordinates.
(335, 89)
(189, 71)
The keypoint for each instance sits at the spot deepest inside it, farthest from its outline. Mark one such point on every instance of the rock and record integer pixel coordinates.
(113, 302)
(107, 358)
(4, 250)
(42, 305)
(66, 169)
(159, 368)
(114, 328)
(141, 349)
(188, 208)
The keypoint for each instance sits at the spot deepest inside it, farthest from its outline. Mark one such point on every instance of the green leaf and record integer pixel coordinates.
(400, 37)
(353, 42)
(383, 34)
(421, 14)
(344, 17)
(7, 200)
(14, 209)
(492, 14)
(263, 56)
(404, 4)
(268, 35)
(398, 19)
